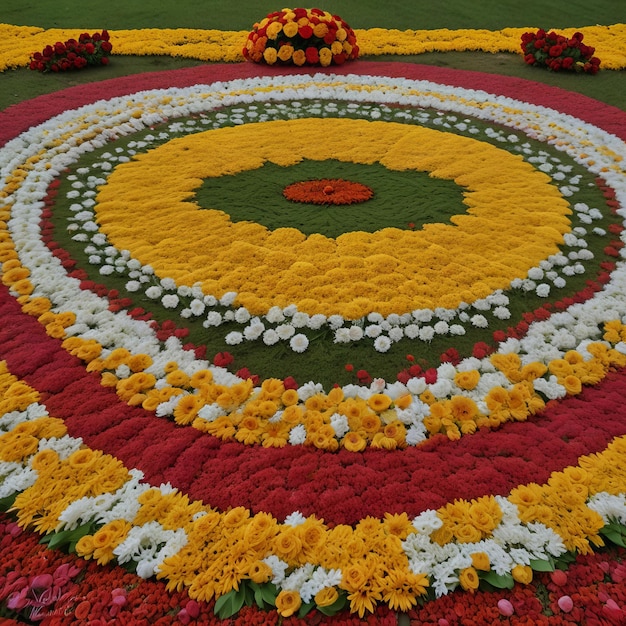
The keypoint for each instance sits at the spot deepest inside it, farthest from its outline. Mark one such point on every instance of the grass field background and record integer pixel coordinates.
(609, 86)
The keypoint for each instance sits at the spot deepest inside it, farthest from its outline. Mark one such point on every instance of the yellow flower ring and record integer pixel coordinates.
(293, 269)
(601, 472)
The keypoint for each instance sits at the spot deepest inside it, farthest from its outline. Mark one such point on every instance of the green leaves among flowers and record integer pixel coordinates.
(66, 540)
(249, 594)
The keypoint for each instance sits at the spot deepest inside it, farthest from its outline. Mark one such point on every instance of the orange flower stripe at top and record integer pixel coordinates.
(313, 272)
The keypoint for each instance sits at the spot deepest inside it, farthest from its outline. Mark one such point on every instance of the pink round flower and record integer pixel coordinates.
(505, 607)
(566, 604)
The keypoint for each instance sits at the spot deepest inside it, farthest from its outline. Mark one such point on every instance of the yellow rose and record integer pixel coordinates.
(290, 29)
(285, 52)
(326, 57)
(288, 602)
(326, 596)
(480, 561)
(273, 30)
(469, 579)
(522, 574)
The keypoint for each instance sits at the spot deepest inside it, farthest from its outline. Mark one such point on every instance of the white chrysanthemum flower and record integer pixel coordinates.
(382, 344)
(342, 335)
(233, 338)
(427, 333)
(285, 331)
(154, 292)
(169, 284)
(316, 321)
(299, 342)
(295, 519)
(170, 301)
(228, 298)
(242, 315)
(197, 307)
(297, 435)
(254, 330)
(278, 567)
(479, 321)
(335, 322)
(543, 290)
(355, 333)
(270, 337)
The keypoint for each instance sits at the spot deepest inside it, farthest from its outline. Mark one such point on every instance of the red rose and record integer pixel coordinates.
(222, 359)
(106, 46)
(90, 48)
(299, 13)
(306, 32)
(530, 59)
(104, 60)
(312, 55)
(339, 59)
(556, 51)
(567, 63)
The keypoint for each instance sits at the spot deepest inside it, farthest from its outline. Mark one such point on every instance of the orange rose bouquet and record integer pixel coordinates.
(301, 37)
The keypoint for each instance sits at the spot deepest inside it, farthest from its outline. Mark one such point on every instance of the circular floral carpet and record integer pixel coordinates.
(347, 343)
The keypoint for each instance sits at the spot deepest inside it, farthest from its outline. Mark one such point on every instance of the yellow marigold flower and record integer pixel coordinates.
(290, 29)
(467, 533)
(261, 528)
(560, 368)
(14, 448)
(480, 561)
(118, 357)
(370, 423)
(398, 524)
(285, 52)
(379, 402)
(467, 380)
(522, 574)
(289, 397)
(107, 538)
(526, 495)
(320, 30)
(299, 57)
(270, 55)
(139, 362)
(272, 389)
(84, 547)
(260, 572)
(354, 577)
(222, 427)
(326, 57)
(45, 461)
(177, 378)
(288, 602)
(273, 30)
(201, 377)
(288, 545)
(468, 578)
(353, 442)
(613, 331)
(236, 517)
(187, 409)
(572, 384)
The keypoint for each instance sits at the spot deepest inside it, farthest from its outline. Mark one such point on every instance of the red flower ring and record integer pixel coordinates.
(328, 191)
(344, 487)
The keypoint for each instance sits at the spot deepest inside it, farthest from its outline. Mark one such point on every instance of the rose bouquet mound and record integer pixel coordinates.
(557, 52)
(301, 37)
(73, 55)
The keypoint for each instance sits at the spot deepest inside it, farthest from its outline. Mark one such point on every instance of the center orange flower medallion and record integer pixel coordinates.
(328, 191)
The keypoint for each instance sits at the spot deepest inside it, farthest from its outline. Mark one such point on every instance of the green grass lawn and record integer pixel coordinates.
(22, 84)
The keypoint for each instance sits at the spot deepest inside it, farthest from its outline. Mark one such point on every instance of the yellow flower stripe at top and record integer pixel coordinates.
(17, 43)
(224, 548)
(456, 263)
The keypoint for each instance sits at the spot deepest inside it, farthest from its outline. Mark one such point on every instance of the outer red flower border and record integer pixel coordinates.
(103, 422)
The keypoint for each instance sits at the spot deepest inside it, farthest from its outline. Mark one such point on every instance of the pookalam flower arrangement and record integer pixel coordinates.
(301, 37)
(557, 52)
(322, 537)
(88, 50)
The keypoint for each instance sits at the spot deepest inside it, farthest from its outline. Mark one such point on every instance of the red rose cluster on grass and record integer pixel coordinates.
(301, 37)
(73, 55)
(557, 52)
